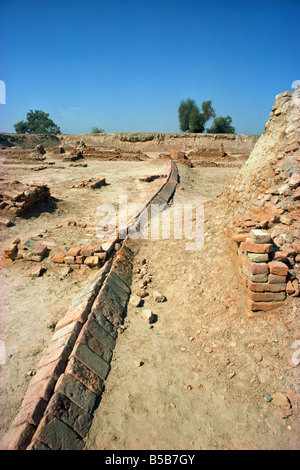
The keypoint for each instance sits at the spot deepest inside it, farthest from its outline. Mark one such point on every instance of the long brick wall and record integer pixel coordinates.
(57, 410)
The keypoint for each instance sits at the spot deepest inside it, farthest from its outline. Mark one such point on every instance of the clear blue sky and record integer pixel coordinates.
(125, 65)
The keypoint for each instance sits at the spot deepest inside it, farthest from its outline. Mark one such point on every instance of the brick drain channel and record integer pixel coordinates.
(57, 410)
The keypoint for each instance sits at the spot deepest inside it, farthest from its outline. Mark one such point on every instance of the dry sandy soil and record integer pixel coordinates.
(197, 378)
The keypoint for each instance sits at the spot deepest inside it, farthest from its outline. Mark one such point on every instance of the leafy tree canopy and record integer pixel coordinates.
(222, 125)
(38, 122)
(190, 117)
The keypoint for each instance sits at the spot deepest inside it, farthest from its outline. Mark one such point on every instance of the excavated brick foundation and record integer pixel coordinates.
(57, 410)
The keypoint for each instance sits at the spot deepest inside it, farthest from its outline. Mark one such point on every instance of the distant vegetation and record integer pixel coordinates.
(222, 125)
(96, 130)
(38, 122)
(191, 119)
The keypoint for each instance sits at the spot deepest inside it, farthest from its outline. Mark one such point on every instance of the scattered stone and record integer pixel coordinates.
(142, 293)
(10, 251)
(281, 400)
(92, 261)
(158, 297)
(36, 271)
(135, 300)
(188, 387)
(138, 363)
(149, 315)
(5, 222)
(268, 398)
(107, 246)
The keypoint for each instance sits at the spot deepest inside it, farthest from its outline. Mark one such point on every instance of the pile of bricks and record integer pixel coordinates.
(92, 183)
(263, 270)
(57, 409)
(92, 255)
(16, 198)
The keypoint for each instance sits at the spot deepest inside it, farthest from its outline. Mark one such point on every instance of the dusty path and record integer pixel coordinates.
(199, 377)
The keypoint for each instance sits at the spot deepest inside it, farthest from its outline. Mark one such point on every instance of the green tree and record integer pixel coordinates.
(96, 130)
(38, 122)
(190, 117)
(222, 125)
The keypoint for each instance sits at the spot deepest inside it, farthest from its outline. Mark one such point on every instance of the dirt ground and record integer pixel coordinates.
(197, 378)
(200, 377)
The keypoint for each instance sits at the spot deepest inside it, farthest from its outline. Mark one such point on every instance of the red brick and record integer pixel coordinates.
(76, 391)
(296, 246)
(96, 346)
(290, 288)
(266, 287)
(54, 369)
(57, 435)
(58, 258)
(274, 279)
(18, 438)
(42, 389)
(85, 375)
(64, 409)
(10, 251)
(40, 250)
(61, 352)
(266, 296)
(75, 251)
(278, 268)
(263, 306)
(296, 195)
(258, 268)
(295, 214)
(31, 412)
(91, 360)
(296, 287)
(87, 251)
(77, 313)
(251, 247)
(260, 236)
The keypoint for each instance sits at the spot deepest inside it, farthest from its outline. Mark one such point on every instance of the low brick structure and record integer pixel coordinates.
(262, 204)
(262, 269)
(17, 198)
(57, 409)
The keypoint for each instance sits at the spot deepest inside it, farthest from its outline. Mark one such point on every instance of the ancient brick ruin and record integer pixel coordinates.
(262, 233)
(263, 236)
